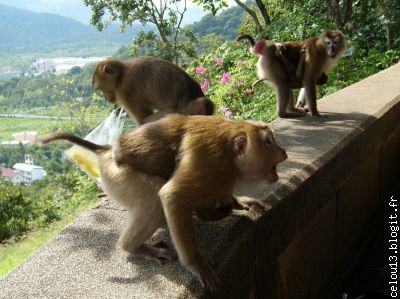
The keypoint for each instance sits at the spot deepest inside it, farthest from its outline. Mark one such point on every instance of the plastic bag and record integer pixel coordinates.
(105, 133)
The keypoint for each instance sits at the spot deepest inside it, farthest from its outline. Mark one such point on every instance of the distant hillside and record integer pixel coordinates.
(24, 31)
(224, 24)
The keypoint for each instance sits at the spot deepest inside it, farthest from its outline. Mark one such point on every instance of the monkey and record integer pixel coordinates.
(145, 84)
(213, 151)
(290, 65)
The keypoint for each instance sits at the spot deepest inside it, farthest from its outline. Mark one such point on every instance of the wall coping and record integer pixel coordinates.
(83, 261)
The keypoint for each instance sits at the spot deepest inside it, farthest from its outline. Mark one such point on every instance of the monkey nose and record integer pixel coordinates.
(284, 155)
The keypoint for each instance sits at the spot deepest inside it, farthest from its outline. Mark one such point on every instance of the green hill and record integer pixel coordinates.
(23, 31)
(224, 24)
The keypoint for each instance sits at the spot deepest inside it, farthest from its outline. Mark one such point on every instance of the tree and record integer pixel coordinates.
(166, 15)
(340, 14)
(215, 5)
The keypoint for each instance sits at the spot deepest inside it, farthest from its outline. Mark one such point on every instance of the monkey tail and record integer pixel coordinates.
(74, 139)
(258, 81)
(246, 37)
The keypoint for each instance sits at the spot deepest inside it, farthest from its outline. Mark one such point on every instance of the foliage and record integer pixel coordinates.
(226, 76)
(37, 205)
(225, 24)
(171, 41)
(15, 210)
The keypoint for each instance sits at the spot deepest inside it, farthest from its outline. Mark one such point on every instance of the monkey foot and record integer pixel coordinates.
(293, 113)
(206, 275)
(248, 203)
(159, 252)
(317, 115)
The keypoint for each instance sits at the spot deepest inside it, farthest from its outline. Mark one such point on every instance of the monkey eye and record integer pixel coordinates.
(328, 41)
(268, 140)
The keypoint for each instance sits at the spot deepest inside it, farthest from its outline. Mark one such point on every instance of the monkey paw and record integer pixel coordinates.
(159, 252)
(246, 203)
(206, 275)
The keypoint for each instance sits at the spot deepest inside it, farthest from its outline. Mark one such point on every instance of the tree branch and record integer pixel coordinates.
(252, 14)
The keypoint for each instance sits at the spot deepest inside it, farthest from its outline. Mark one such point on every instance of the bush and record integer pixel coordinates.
(227, 76)
(15, 211)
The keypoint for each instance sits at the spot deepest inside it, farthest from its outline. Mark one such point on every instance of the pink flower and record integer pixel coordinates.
(226, 78)
(204, 85)
(227, 112)
(200, 70)
(219, 61)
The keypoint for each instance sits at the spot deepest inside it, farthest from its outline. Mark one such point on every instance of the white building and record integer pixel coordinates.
(27, 172)
(62, 65)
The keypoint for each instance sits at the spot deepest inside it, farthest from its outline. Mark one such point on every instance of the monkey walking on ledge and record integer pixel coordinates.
(167, 167)
(291, 65)
(147, 83)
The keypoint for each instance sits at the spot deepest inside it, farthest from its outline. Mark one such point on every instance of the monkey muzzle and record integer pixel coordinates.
(332, 53)
(272, 175)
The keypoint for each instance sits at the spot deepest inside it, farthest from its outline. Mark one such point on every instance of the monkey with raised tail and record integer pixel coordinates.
(290, 65)
(193, 153)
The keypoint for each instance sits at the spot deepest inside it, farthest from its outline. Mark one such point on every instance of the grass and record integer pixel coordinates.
(14, 253)
(9, 126)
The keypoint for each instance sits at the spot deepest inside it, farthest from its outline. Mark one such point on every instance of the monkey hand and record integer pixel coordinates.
(205, 273)
(246, 203)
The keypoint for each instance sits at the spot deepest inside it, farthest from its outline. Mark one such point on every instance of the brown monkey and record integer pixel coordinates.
(147, 83)
(213, 152)
(291, 65)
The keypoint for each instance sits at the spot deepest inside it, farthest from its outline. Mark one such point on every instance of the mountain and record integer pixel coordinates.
(23, 31)
(78, 11)
(224, 24)
(68, 8)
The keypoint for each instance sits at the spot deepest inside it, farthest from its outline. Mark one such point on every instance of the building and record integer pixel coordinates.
(29, 136)
(62, 65)
(27, 172)
(23, 138)
(15, 143)
(9, 174)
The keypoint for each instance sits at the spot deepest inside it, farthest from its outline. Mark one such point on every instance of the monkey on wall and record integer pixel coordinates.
(290, 65)
(212, 151)
(146, 84)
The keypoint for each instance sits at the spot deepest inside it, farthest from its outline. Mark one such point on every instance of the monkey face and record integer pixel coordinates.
(259, 155)
(271, 154)
(333, 43)
(104, 79)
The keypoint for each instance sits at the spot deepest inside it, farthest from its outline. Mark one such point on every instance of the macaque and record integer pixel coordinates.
(290, 65)
(146, 84)
(212, 153)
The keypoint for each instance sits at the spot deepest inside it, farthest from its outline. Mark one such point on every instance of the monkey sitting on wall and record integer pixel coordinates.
(207, 151)
(291, 65)
(145, 84)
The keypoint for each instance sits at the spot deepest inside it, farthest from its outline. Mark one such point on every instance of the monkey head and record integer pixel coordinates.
(107, 77)
(334, 43)
(257, 152)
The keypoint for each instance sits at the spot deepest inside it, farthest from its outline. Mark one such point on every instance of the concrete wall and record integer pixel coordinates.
(330, 189)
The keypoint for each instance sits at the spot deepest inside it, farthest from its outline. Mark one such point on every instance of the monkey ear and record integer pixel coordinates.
(240, 144)
(108, 69)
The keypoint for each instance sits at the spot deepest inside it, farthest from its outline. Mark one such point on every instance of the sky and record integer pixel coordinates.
(78, 11)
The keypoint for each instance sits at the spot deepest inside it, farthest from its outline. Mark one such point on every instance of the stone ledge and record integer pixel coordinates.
(258, 255)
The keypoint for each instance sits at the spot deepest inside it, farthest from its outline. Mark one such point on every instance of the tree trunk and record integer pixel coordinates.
(252, 14)
(264, 12)
(334, 10)
(389, 37)
(348, 11)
